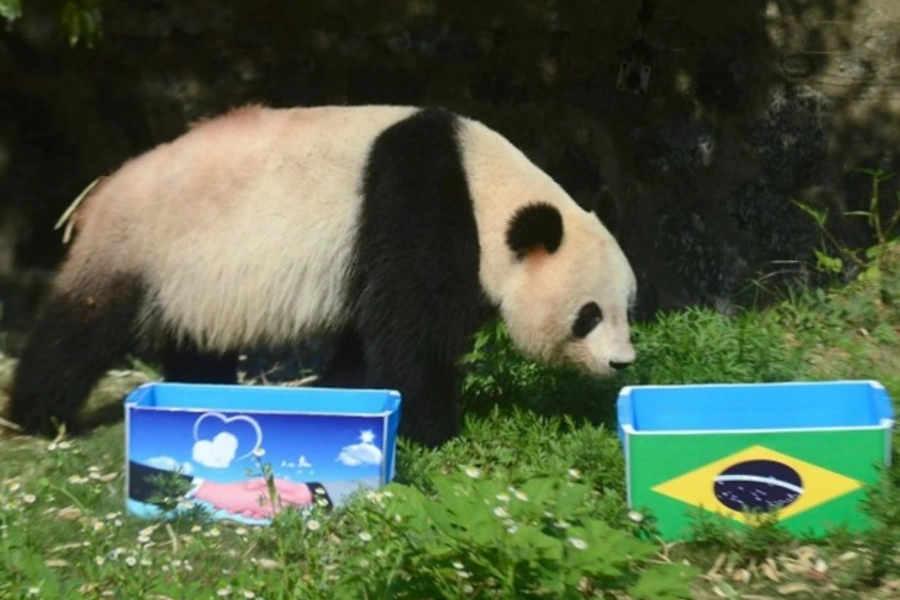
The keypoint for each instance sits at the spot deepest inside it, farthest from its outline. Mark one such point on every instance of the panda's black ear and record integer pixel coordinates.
(534, 226)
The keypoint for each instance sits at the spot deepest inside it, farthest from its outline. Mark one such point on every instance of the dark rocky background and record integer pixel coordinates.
(749, 103)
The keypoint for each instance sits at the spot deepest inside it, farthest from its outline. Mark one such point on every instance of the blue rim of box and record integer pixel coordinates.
(625, 422)
(131, 403)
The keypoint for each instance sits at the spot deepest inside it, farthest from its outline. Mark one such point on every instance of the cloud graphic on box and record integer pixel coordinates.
(216, 453)
(301, 463)
(364, 452)
(219, 451)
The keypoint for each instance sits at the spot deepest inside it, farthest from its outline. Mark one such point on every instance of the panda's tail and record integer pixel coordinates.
(78, 336)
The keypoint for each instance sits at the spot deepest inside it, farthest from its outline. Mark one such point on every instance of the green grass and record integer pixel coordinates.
(528, 503)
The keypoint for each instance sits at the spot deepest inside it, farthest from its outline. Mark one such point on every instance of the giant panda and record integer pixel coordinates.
(394, 229)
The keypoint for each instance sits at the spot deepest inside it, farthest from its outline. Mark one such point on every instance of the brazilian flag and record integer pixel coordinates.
(811, 480)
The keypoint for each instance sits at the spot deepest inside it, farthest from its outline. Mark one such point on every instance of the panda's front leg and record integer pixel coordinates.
(418, 360)
(430, 413)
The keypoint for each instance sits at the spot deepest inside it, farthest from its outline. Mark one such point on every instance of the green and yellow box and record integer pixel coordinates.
(803, 452)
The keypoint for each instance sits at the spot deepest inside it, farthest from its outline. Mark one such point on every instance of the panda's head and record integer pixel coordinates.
(568, 295)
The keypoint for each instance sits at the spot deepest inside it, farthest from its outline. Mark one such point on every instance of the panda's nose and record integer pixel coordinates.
(619, 365)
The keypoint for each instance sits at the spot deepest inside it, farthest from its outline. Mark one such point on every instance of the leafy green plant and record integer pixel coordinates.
(10, 10)
(882, 503)
(482, 537)
(761, 537)
(498, 374)
(833, 257)
(884, 230)
(699, 345)
(494, 367)
(81, 20)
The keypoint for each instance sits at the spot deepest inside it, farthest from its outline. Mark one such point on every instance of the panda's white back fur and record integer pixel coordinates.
(243, 227)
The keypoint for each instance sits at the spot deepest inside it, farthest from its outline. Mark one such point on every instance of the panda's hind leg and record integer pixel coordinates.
(77, 337)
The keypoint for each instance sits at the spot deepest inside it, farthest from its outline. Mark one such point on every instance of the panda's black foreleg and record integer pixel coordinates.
(429, 412)
(346, 368)
(185, 363)
(77, 337)
(417, 359)
(430, 415)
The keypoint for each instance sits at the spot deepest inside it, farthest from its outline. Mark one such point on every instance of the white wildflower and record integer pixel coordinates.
(578, 543)
(365, 536)
(473, 472)
(313, 525)
(520, 495)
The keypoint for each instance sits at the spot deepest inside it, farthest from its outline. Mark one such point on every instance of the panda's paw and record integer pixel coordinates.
(29, 418)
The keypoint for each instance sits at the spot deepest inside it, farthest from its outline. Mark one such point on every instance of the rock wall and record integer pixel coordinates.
(748, 104)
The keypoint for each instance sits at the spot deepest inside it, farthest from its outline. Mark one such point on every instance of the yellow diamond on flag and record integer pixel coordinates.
(760, 479)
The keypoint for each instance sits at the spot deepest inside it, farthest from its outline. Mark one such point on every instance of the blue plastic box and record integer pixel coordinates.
(802, 451)
(212, 440)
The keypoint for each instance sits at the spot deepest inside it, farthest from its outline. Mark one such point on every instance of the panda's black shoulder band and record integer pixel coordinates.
(532, 226)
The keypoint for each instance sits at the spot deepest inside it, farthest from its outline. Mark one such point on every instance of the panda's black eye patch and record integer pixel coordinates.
(589, 316)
